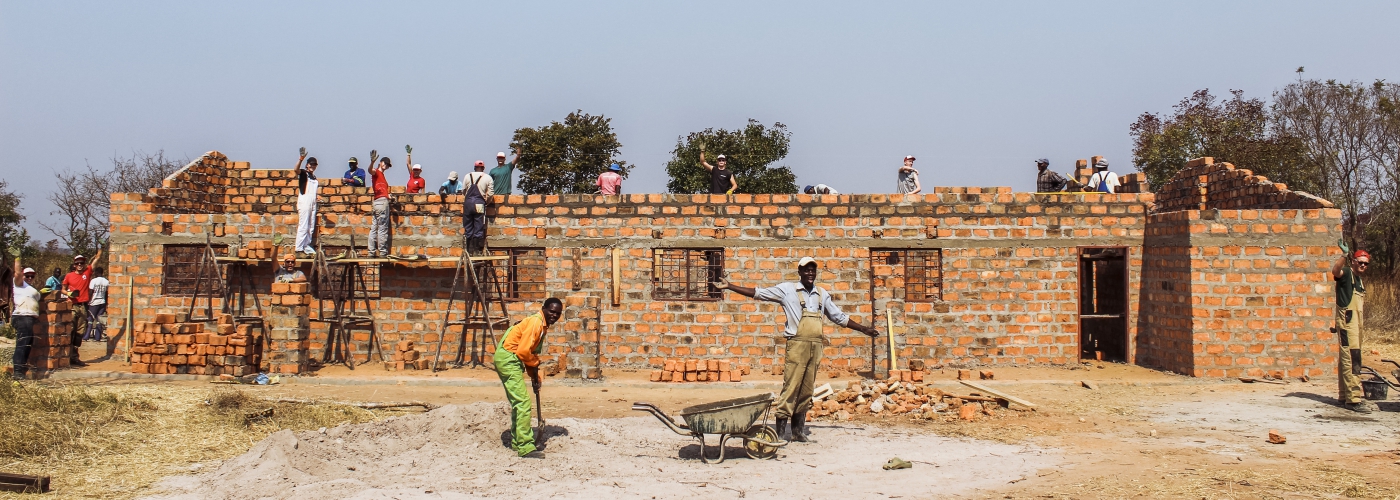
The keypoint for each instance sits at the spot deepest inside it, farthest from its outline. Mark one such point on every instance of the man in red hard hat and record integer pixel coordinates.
(1351, 291)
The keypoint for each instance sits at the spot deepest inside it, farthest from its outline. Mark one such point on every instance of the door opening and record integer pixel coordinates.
(1103, 303)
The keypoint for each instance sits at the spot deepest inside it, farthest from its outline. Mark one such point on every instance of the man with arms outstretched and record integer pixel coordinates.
(804, 303)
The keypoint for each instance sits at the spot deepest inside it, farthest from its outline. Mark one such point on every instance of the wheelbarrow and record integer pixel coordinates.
(731, 418)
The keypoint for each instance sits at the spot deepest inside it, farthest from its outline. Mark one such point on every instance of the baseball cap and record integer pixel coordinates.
(909, 157)
(1042, 161)
(311, 160)
(417, 166)
(615, 167)
(808, 189)
(501, 154)
(452, 176)
(289, 257)
(805, 261)
(1361, 254)
(1101, 163)
(354, 160)
(720, 157)
(28, 270)
(479, 163)
(79, 257)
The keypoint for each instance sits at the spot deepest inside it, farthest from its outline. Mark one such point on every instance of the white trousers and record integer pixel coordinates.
(306, 226)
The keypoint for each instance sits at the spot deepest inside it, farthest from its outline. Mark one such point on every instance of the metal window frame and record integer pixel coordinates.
(916, 276)
(510, 274)
(681, 264)
(170, 266)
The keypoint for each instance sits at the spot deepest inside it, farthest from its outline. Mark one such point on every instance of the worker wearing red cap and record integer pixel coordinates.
(478, 190)
(804, 303)
(1351, 291)
(288, 272)
(76, 290)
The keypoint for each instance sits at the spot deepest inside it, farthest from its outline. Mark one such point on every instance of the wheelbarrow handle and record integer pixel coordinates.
(1366, 370)
(681, 429)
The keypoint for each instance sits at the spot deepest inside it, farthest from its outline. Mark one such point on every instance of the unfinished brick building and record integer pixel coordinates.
(1221, 273)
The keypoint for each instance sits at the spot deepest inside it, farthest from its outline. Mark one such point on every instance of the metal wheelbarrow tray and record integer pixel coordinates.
(730, 418)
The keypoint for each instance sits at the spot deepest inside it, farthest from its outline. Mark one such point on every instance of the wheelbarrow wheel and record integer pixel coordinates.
(757, 450)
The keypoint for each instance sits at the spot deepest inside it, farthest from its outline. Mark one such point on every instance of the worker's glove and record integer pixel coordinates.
(1342, 243)
(408, 149)
(303, 152)
(722, 284)
(731, 191)
(15, 248)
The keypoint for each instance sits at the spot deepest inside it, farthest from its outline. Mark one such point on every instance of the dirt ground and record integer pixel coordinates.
(1140, 433)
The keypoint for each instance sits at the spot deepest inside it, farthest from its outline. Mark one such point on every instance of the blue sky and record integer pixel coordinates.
(976, 90)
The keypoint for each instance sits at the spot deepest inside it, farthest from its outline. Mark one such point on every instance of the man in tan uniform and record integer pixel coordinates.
(1350, 294)
(804, 303)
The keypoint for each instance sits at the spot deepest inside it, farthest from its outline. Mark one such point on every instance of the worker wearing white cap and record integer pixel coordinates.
(721, 177)
(908, 178)
(500, 176)
(307, 184)
(415, 180)
(24, 314)
(804, 303)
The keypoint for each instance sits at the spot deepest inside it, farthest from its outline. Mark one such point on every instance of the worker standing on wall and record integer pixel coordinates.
(721, 177)
(379, 229)
(501, 175)
(354, 175)
(804, 303)
(306, 203)
(518, 355)
(1049, 181)
(479, 191)
(1103, 181)
(908, 181)
(610, 182)
(1350, 294)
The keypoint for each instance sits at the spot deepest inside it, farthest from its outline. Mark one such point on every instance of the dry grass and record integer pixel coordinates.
(1382, 312)
(112, 441)
(1301, 480)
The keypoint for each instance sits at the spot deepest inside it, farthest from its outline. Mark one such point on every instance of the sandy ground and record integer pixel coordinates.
(1141, 433)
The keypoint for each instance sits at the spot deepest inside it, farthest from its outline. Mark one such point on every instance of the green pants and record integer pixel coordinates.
(512, 373)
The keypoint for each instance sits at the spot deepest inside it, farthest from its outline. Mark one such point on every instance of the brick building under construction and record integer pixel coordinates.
(1219, 273)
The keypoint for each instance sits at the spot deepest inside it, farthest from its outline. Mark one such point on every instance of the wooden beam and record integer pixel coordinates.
(997, 393)
(616, 277)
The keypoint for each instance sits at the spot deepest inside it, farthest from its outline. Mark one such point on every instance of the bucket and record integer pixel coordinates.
(1375, 390)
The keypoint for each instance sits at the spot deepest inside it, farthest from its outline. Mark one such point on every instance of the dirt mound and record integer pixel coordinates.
(460, 452)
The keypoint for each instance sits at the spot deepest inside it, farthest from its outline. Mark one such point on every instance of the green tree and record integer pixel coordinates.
(750, 152)
(11, 235)
(566, 158)
(1235, 130)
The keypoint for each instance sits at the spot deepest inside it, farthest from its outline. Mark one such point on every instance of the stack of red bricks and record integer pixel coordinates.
(699, 370)
(289, 321)
(52, 336)
(257, 249)
(1204, 184)
(407, 357)
(165, 346)
(1135, 182)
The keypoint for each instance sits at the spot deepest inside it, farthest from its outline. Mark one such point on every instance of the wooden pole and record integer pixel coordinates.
(616, 277)
(889, 329)
(130, 330)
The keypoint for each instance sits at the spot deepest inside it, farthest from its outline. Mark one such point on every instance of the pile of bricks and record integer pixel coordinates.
(52, 336)
(165, 346)
(407, 357)
(1135, 182)
(895, 398)
(1204, 184)
(257, 249)
(699, 370)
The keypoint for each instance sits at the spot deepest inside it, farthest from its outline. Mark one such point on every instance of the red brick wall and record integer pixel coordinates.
(1009, 266)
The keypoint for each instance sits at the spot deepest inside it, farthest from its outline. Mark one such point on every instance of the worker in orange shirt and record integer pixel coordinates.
(518, 354)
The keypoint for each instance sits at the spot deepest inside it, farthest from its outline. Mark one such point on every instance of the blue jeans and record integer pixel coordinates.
(24, 341)
(96, 329)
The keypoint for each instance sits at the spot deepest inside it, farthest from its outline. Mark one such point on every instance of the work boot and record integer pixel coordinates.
(784, 433)
(1361, 406)
(76, 362)
(799, 428)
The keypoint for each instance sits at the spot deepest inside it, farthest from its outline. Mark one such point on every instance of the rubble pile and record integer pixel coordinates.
(892, 397)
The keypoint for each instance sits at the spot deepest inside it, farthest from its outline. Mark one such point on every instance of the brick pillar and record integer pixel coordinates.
(53, 344)
(582, 356)
(290, 324)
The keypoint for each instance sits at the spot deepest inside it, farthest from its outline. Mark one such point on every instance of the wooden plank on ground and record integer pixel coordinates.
(997, 393)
